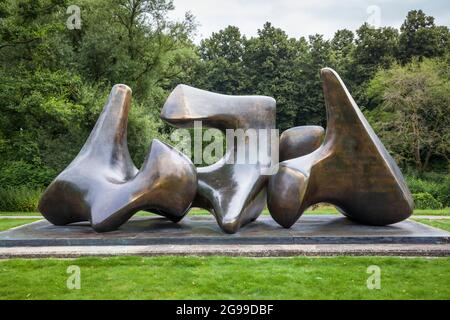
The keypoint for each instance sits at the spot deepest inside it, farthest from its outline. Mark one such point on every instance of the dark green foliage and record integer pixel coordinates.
(21, 173)
(420, 37)
(426, 201)
(412, 116)
(20, 199)
(55, 81)
(438, 185)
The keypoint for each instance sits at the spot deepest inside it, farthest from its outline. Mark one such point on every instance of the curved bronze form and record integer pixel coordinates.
(103, 186)
(351, 170)
(234, 193)
(300, 141)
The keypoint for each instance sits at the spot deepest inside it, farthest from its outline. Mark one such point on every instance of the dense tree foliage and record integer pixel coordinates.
(55, 79)
(413, 116)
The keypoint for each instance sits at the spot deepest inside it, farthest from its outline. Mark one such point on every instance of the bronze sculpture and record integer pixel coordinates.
(103, 186)
(234, 193)
(351, 170)
(300, 141)
(347, 166)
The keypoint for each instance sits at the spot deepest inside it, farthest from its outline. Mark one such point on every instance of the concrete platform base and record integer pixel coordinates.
(403, 250)
(203, 230)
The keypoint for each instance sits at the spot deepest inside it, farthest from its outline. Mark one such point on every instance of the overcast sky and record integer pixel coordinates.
(304, 17)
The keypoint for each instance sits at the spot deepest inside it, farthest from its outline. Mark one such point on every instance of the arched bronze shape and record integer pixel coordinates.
(103, 186)
(300, 141)
(351, 170)
(234, 193)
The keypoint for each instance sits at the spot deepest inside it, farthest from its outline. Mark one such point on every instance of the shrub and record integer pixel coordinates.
(426, 201)
(15, 174)
(23, 199)
(444, 191)
(437, 185)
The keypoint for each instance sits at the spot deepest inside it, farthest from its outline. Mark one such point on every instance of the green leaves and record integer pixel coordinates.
(417, 96)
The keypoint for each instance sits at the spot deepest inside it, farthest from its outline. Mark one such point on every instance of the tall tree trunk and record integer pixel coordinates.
(427, 159)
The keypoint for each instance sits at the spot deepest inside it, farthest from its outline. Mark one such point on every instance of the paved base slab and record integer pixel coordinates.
(404, 250)
(203, 230)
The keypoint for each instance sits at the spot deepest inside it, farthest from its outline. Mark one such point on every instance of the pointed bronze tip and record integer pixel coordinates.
(175, 106)
(122, 87)
(157, 146)
(329, 75)
(327, 72)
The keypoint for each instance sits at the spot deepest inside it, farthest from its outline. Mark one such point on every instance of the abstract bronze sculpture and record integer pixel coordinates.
(351, 170)
(103, 186)
(300, 141)
(234, 193)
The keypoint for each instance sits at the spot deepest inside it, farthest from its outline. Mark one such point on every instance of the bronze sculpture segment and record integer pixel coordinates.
(234, 193)
(351, 170)
(300, 141)
(103, 186)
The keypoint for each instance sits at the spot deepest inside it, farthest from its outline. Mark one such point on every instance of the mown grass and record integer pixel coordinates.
(226, 278)
(440, 224)
(19, 213)
(429, 212)
(6, 224)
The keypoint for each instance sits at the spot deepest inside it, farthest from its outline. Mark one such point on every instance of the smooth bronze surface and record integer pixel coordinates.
(351, 170)
(234, 193)
(300, 141)
(103, 186)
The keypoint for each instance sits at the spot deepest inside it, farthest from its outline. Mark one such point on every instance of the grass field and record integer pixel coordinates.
(226, 278)
(6, 224)
(441, 224)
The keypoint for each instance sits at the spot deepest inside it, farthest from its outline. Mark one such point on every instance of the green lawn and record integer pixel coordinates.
(6, 224)
(19, 213)
(226, 278)
(441, 224)
(430, 212)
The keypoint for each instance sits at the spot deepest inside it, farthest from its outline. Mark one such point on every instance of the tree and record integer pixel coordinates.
(55, 80)
(221, 69)
(413, 117)
(420, 37)
(376, 48)
(271, 63)
(342, 47)
(311, 104)
(134, 42)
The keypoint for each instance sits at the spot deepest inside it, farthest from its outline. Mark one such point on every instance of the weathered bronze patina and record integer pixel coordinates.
(300, 141)
(235, 193)
(103, 186)
(351, 170)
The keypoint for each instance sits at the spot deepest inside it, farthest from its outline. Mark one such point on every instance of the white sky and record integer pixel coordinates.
(304, 17)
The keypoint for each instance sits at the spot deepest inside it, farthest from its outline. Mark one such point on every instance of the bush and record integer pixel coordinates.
(23, 199)
(15, 174)
(437, 185)
(444, 191)
(426, 201)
